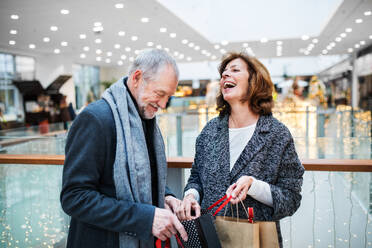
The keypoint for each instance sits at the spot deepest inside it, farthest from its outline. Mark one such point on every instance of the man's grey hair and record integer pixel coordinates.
(151, 61)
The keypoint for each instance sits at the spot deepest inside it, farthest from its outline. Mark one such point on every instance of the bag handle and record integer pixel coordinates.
(222, 205)
(167, 243)
(249, 213)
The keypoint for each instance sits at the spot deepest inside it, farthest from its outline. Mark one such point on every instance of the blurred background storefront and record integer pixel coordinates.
(58, 56)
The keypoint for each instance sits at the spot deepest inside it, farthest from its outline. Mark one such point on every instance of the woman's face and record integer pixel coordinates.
(234, 81)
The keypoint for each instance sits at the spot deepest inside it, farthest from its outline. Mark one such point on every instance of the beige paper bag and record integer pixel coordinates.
(235, 233)
(268, 234)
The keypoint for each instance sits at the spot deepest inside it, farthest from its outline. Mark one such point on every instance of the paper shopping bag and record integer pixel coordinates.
(268, 234)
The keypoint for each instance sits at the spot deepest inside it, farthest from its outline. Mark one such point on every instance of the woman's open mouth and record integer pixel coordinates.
(229, 85)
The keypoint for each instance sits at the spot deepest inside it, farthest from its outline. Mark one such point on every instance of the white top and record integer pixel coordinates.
(238, 139)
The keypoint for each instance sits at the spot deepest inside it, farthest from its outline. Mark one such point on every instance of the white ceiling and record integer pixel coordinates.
(204, 23)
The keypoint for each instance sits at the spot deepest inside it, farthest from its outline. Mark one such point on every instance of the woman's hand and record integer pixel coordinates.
(171, 203)
(239, 190)
(189, 203)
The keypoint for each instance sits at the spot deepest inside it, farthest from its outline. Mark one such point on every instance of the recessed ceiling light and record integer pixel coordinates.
(54, 28)
(86, 48)
(368, 13)
(120, 62)
(370, 37)
(222, 51)
(83, 56)
(203, 51)
(97, 24)
(14, 17)
(197, 48)
(184, 41)
(123, 57)
(117, 46)
(348, 30)
(306, 52)
(57, 51)
(176, 53)
(305, 37)
(82, 36)
(134, 38)
(13, 31)
(350, 50)
(329, 47)
(181, 56)
(98, 58)
(191, 44)
(343, 35)
(109, 54)
(121, 33)
(131, 59)
(127, 49)
(264, 40)
(32, 46)
(97, 29)
(188, 58)
(324, 52)
(213, 57)
(163, 30)
(362, 42)
(98, 41)
(65, 11)
(137, 52)
(244, 45)
(145, 19)
(278, 42)
(119, 5)
(173, 35)
(338, 39)
(356, 45)
(150, 43)
(108, 61)
(64, 43)
(332, 44)
(224, 42)
(315, 41)
(216, 46)
(166, 49)
(208, 54)
(12, 42)
(359, 20)
(158, 46)
(98, 51)
(46, 39)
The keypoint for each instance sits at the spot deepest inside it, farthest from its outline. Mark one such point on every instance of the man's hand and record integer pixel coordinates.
(184, 210)
(166, 224)
(239, 190)
(172, 203)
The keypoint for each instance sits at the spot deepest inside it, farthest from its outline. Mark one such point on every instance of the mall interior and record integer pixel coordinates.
(56, 57)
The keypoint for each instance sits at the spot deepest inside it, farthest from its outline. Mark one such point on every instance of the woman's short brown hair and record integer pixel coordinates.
(260, 86)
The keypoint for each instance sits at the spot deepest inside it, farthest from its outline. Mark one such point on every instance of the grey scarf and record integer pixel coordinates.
(132, 172)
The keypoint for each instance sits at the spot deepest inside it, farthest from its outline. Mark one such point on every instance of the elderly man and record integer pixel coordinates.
(115, 170)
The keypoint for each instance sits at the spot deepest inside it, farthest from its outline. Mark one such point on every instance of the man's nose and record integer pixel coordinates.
(163, 102)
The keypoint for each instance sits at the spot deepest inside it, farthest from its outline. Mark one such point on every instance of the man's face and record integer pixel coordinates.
(154, 94)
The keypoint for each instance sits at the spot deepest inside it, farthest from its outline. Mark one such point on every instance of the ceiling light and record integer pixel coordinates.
(362, 42)
(213, 57)
(98, 58)
(197, 48)
(145, 19)
(108, 61)
(173, 35)
(350, 50)
(222, 51)
(150, 43)
(343, 35)
(119, 5)
(368, 13)
(245, 44)
(163, 30)
(14, 17)
(224, 42)
(338, 39)
(137, 52)
(109, 54)
(348, 30)
(57, 51)
(97, 24)
(134, 38)
(184, 41)
(13, 31)
(305, 37)
(98, 51)
(204, 52)
(12, 42)
(278, 42)
(166, 49)
(306, 52)
(127, 49)
(121, 33)
(158, 46)
(83, 56)
(120, 62)
(315, 41)
(32, 46)
(98, 41)
(46, 39)
(86, 48)
(324, 52)
(131, 59)
(97, 29)
(216, 46)
(175, 53)
(208, 54)
(65, 11)
(264, 40)
(188, 58)
(370, 37)
(54, 28)
(117, 46)
(356, 45)
(358, 20)
(123, 57)
(332, 44)
(64, 43)
(82, 36)
(329, 47)
(191, 44)
(181, 56)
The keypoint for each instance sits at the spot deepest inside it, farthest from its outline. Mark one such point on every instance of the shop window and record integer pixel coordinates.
(87, 86)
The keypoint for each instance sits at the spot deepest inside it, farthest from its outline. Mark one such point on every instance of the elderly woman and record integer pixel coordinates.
(245, 152)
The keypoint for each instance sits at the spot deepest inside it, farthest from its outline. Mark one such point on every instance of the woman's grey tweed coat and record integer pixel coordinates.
(269, 156)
